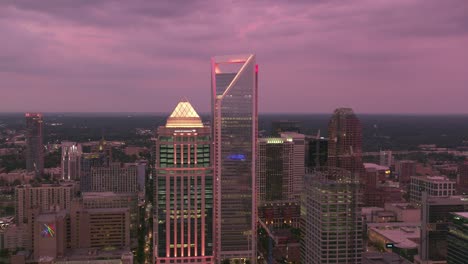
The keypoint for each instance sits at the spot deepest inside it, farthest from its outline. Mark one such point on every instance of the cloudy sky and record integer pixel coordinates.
(376, 56)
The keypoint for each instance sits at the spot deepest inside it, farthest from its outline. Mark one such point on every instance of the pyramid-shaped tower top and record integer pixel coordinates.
(184, 116)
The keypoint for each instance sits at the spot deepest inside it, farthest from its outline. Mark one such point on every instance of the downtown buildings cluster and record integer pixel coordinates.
(224, 194)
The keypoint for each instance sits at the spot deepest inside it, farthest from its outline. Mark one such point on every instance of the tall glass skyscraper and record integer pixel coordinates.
(234, 112)
(34, 145)
(331, 217)
(183, 219)
(345, 141)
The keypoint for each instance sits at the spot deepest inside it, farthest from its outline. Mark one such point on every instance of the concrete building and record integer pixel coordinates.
(277, 214)
(403, 237)
(331, 217)
(183, 217)
(235, 129)
(457, 238)
(280, 167)
(45, 197)
(405, 169)
(116, 178)
(50, 235)
(34, 143)
(435, 220)
(435, 186)
(71, 160)
(404, 212)
(99, 228)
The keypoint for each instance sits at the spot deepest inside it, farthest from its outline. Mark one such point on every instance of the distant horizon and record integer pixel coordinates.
(209, 113)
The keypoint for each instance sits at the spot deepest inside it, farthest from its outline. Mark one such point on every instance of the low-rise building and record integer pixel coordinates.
(434, 186)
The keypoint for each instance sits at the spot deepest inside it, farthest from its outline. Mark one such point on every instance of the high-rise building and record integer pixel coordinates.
(88, 161)
(316, 151)
(115, 178)
(345, 141)
(71, 160)
(331, 217)
(457, 238)
(235, 129)
(435, 186)
(183, 219)
(435, 219)
(280, 167)
(34, 143)
(405, 169)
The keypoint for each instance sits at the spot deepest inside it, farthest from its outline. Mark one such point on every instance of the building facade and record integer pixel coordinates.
(345, 141)
(331, 217)
(234, 112)
(183, 217)
(71, 160)
(118, 178)
(435, 220)
(34, 143)
(316, 151)
(405, 169)
(280, 167)
(434, 186)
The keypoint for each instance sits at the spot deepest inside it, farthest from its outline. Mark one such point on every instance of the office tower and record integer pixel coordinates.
(71, 160)
(457, 238)
(405, 169)
(119, 178)
(88, 161)
(386, 158)
(280, 126)
(234, 113)
(34, 145)
(280, 167)
(183, 219)
(345, 141)
(316, 151)
(435, 186)
(435, 219)
(331, 217)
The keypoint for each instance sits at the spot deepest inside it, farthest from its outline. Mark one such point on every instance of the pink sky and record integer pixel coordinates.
(376, 56)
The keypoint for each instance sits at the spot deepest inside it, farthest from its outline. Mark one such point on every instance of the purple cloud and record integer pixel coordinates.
(376, 56)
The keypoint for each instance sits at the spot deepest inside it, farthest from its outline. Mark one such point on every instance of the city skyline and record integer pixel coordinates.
(375, 57)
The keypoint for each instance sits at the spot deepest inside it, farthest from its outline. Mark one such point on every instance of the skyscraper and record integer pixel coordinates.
(331, 217)
(280, 167)
(183, 219)
(71, 160)
(345, 141)
(34, 145)
(234, 112)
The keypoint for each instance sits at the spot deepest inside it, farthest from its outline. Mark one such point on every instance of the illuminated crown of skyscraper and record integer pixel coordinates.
(184, 116)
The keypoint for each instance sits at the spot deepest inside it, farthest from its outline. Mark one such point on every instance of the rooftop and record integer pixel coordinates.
(184, 116)
(462, 214)
(375, 166)
(402, 237)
